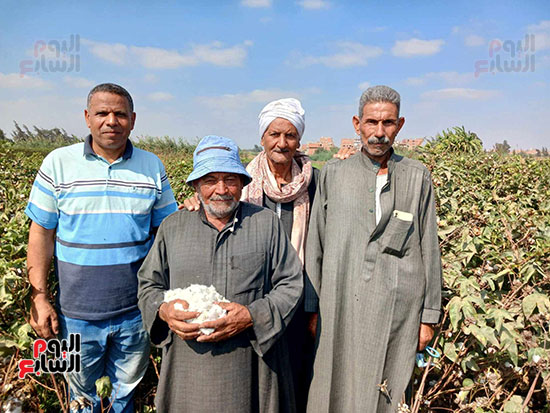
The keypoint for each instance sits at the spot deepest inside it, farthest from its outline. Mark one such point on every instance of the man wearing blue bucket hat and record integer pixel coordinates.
(242, 250)
(284, 181)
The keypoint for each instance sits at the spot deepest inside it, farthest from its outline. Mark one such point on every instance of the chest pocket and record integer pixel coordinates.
(247, 277)
(395, 236)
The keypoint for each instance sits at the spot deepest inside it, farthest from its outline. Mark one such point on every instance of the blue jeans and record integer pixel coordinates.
(117, 347)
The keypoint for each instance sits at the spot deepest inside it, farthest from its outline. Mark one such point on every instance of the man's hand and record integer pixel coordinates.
(425, 335)
(39, 257)
(191, 204)
(237, 319)
(43, 317)
(345, 155)
(177, 320)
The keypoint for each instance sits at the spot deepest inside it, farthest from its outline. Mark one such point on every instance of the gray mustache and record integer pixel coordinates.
(221, 198)
(374, 139)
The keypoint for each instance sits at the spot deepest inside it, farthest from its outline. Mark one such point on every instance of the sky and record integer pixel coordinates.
(196, 68)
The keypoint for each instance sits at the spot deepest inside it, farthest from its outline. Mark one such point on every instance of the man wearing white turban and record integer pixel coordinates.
(284, 180)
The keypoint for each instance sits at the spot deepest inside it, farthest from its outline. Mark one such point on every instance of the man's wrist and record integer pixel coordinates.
(161, 310)
(38, 293)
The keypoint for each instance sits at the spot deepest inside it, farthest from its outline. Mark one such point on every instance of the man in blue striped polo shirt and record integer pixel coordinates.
(94, 208)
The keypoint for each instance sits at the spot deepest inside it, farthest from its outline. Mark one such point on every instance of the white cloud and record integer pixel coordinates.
(49, 52)
(215, 54)
(160, 96)
(474, 40)
(111, 52)
(450, 78)
(542, 34)
(18, 81)
(416, 81)
(256, 3)
(349, 54)
(78, 82)
(37, 111)
(376, 29)
(151, 78)
(417, 47)
(363, 85)
(544, 25)
(232, 101)
(156, 58)
(543, 62)
(314, 4)
(460, 93)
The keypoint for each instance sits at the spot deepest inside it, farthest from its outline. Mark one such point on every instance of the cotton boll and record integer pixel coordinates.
(201, 299)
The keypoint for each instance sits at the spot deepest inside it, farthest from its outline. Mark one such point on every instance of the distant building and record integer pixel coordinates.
(348, 146)
(326, 143)
(310, 148)
(530, 152)
(410, 143)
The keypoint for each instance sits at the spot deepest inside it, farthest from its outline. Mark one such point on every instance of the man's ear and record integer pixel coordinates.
(133, 120)
(400, 123)
(87, 117)
(356, 123)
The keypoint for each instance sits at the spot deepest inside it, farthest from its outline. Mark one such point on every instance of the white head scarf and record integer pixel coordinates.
(289, 109)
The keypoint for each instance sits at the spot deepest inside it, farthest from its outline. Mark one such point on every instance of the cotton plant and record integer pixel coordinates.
(201, 299)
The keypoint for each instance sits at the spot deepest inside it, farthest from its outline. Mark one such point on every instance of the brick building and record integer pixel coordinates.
(348, 146)
(326, 143)
(310, 148)
(410, 143)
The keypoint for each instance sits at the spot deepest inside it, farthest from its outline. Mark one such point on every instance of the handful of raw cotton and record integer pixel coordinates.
(200, 299)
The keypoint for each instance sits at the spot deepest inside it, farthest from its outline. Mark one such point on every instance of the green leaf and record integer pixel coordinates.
(489, 334)
(508, 343)
(462, 394)
(535, 300)
(450, 351)
(467, 383)
(539, 352)
(455, 315)
(445, 231)
(478, 300)
(468, 309)
(499, 315)
(477, 333)
(469, 362)
(514, 405)
(529, 304)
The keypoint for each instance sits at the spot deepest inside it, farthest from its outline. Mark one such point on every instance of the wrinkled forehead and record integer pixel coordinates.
(380, 110)
(220, 175)
(109, 100)
(281, 125)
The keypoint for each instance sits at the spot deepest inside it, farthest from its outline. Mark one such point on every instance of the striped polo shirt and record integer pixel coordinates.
(103, 214)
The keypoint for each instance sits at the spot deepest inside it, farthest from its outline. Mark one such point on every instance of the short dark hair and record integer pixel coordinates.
(111, 88)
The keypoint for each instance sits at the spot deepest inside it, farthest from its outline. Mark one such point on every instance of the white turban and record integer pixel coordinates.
(289, 109)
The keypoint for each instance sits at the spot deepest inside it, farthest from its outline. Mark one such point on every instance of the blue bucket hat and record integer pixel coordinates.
(217, 154)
